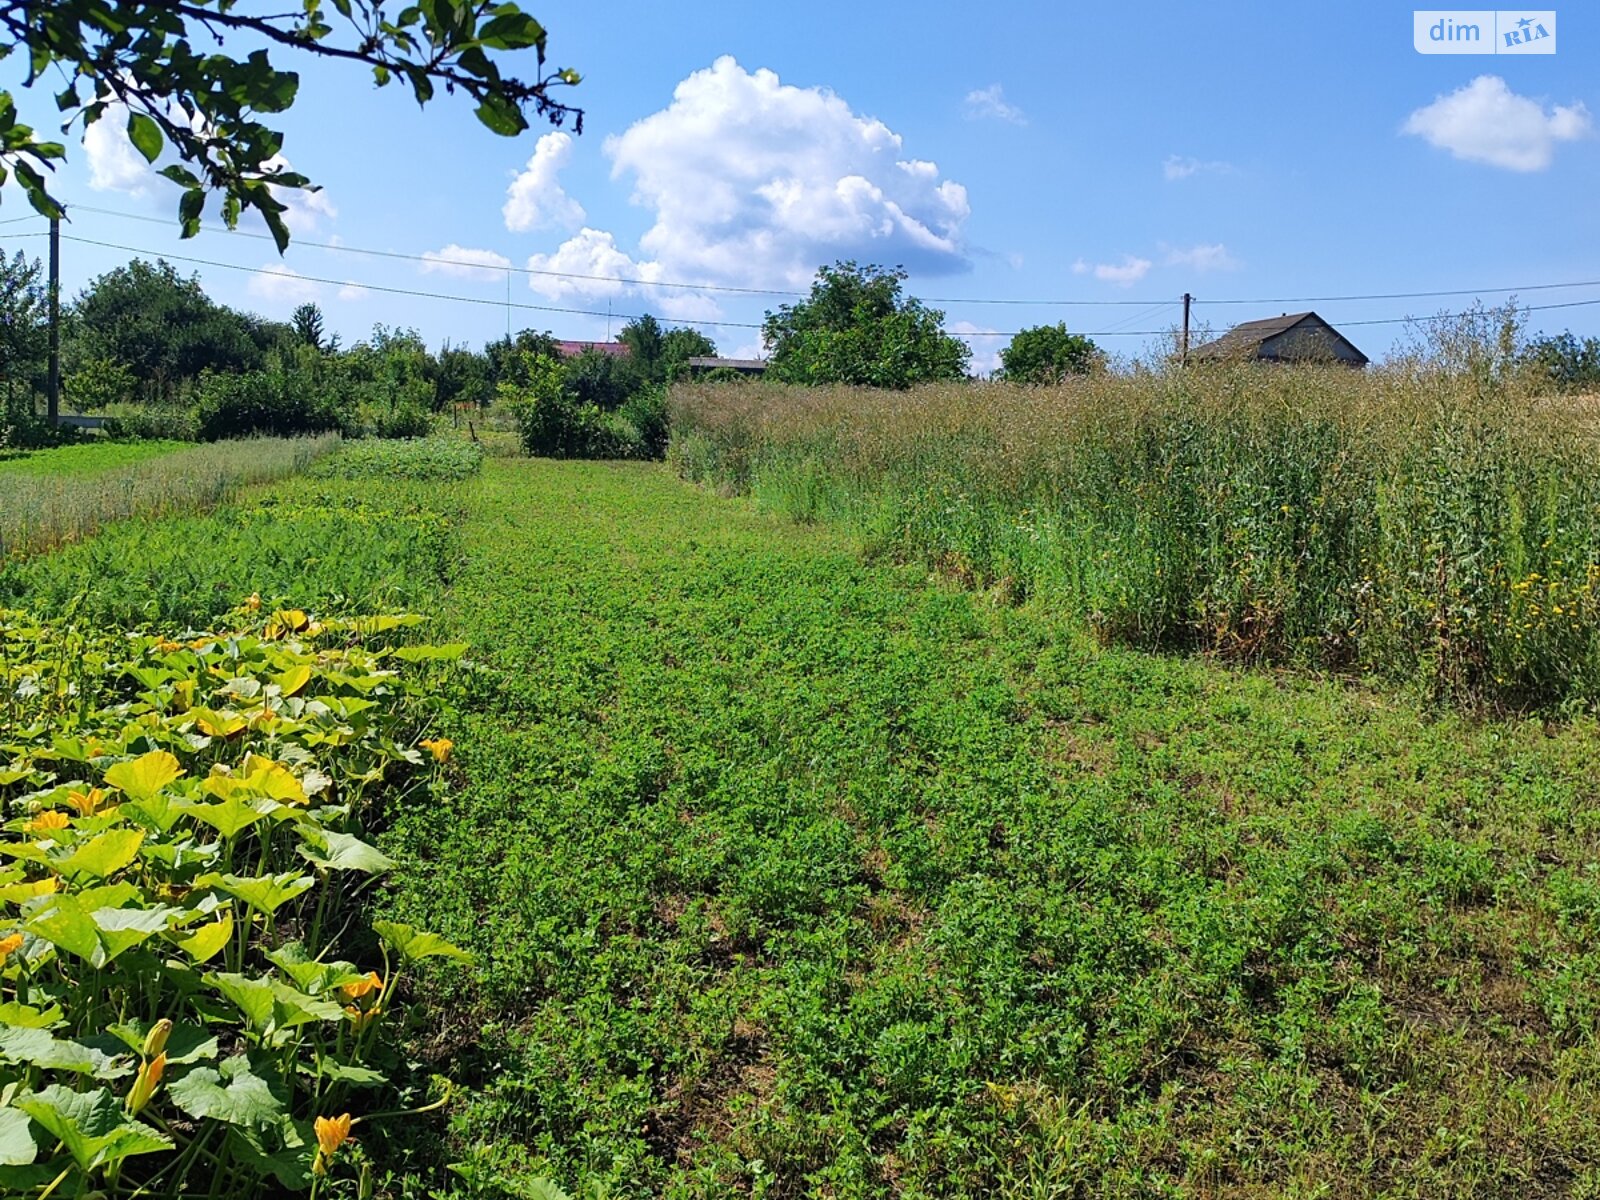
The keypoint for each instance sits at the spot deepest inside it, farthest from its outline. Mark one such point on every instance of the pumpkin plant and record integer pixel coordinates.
(183, 1006)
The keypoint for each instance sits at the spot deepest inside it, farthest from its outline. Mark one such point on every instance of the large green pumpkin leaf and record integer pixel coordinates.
(309, 975)
(40, 1048)
(235, 1095)
(270, 1004)
(143, 777)
(16, 1143)
(124, 928)
(332, 851)
(412, 944)
(203, 944)
(265, 893)
(93, 1126)
(229, 816)
(103, 855)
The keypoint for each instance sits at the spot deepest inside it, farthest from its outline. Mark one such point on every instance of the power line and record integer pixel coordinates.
(437, 260)
(483, 301)
(440, 261)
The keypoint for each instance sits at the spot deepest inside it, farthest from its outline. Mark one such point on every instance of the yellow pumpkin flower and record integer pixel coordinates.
(254, 602)
(155, 1042)
(373, 982)
(361, 1019)
(8, 945)
(145, 1082)
(167, 647)
(87, 804)
(49, 821)
(332, 1132)
(438, 747)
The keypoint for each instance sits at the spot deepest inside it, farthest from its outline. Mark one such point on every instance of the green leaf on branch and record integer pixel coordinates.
(145, 135)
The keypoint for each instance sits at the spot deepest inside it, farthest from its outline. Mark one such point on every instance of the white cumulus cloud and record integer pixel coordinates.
(1486, 122)
(1179, 166)
(535, 199)
(1124, 274)
(755, 182)
(481, 266)
(114, 165)
(991, 102)
(306, 209)
(1202, 257)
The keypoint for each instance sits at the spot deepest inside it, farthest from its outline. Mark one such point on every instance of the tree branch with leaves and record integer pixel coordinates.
(168, 64)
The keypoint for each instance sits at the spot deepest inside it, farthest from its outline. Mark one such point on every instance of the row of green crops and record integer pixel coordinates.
(189, 1002)
(435, 458)
(84, 458)
(1415, 524)
(40, 512)
(348, 547)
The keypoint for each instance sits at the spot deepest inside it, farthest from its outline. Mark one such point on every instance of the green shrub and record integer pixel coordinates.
(407, 420)
(143, 422)
(295, 394)
(646, 411)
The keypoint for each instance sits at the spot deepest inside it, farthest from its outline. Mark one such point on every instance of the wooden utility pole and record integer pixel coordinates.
(1184, 352)
(53, 380)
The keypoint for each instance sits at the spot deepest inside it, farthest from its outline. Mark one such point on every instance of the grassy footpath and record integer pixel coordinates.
(795, 876)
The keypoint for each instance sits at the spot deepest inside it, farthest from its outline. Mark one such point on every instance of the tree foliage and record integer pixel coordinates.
(164, 328)
(22, 323)
(163, 64)
(1566, 361)
(1048, 354)
(857, 328)
(658, 354)
(307, 322)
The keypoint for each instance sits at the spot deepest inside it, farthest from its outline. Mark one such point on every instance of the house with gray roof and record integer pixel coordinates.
(1291, 338)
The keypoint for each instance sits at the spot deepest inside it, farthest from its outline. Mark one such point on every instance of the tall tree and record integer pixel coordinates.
(307, 322)
(679, 346)
(163, 327)
(163, 63)
(645, 340)
(1048, 354)
(22, 326)
(856, 327)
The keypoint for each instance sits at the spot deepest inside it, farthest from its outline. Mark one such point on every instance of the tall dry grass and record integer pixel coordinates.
(41, 512)
(1417, 522)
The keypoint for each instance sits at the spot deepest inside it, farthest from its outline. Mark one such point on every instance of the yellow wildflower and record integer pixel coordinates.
(361, 1019)
(145, 1082)
(332, 1132)
(155, 1042)
(438, 747)
(372, 982)
(87, 804)
(49, 821)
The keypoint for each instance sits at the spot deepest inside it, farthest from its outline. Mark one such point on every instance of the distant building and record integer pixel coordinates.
(573, 349)
(700, 364)
(1291, 338)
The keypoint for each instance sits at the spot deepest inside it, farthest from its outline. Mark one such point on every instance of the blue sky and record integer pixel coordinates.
(1011, 152)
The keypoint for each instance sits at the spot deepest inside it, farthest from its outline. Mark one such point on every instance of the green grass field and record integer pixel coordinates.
(792, 873)
(791, 876)
(87, 458)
